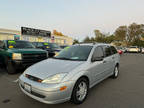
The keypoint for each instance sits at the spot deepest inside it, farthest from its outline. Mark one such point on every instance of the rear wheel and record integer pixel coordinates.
(80, 91)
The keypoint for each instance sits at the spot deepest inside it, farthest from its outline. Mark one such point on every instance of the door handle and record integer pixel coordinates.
(104, 61)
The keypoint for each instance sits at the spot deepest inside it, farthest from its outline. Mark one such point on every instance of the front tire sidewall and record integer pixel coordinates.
(74, 97)
(116, 72)
(10, 68)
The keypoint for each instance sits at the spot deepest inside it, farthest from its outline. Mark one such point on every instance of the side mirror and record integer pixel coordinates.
(96, 59)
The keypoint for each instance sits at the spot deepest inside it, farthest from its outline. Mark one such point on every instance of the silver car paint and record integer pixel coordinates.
(95, 71)
(50, 67)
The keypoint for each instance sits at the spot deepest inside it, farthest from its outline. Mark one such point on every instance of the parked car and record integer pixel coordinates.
(133, 49)
(120, 52)
(17, 54)
(142, 50)
(70, 74)
(121, 48)
(52, 48)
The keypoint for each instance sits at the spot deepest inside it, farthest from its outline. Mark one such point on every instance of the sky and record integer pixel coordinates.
(75, 18)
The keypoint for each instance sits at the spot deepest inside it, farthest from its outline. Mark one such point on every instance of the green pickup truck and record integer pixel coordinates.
(18, 54)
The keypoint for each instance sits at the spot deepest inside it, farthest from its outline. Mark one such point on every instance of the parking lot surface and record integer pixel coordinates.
(127, 91)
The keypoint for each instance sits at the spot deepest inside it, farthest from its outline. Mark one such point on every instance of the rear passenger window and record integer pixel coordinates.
(114, 51)
(98, 52)
(107, 51)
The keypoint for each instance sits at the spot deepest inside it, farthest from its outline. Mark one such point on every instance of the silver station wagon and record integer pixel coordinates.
(71, 73)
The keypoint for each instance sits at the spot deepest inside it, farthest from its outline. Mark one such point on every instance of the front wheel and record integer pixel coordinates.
(10, 68)
(80, 91)
(116, 72)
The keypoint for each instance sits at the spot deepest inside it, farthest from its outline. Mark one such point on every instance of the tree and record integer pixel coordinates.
(92, 39)
(97, 33)
(87, 40)
(75, 41)
(131, 34)
(55, 32)
(60, 34)
(120, 33)
(135, 32)
(109, 39)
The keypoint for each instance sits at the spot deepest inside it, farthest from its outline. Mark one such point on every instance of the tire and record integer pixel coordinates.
(84, 92)
(10, 68)
(116, 72)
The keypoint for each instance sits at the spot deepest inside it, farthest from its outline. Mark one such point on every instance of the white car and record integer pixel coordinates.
(142, 51)
(133, 49)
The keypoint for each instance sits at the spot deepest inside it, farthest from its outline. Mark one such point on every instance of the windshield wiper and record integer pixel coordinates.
(62, 58)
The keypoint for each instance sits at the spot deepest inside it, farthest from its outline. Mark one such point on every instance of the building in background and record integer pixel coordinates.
(34, 35)
(62, 40)
(6, 34)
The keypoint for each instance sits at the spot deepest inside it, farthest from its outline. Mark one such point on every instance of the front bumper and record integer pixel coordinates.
(133, 51)
(47, 93)
(20, 64)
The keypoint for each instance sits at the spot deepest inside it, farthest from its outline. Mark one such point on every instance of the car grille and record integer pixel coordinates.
(33, 78)
(38, 56)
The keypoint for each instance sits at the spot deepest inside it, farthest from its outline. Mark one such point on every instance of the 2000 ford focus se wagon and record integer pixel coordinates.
(70, 74)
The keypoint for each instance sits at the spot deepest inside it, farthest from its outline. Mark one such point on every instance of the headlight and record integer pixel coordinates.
(55, 78)
(16, 56)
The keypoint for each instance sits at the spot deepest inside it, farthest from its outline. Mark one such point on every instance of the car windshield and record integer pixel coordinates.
(53, 45)
(77, 53)
(19, 44)
(133, 47)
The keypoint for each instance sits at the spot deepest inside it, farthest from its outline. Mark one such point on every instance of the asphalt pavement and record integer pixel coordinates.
(127, 91)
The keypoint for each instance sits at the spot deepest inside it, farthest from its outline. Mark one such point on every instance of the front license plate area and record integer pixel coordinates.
(27, 87)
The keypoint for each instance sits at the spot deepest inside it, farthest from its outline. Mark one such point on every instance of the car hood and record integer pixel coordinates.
(50, 67)
(28, 50)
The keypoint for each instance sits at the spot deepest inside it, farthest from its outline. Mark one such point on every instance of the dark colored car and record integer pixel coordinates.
(17, 54)
(52, 48)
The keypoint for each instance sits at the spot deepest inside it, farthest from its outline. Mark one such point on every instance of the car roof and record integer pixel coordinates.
(93, 44)
(44, 42)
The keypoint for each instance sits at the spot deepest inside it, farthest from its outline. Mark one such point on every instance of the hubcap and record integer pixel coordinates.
(81, 91)
(116, 71)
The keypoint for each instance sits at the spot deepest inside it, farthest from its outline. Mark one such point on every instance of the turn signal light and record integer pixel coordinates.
(39, 81)
(63, 88)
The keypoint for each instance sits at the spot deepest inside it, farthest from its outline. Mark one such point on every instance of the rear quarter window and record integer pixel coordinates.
(107, 51)
(113, 50)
